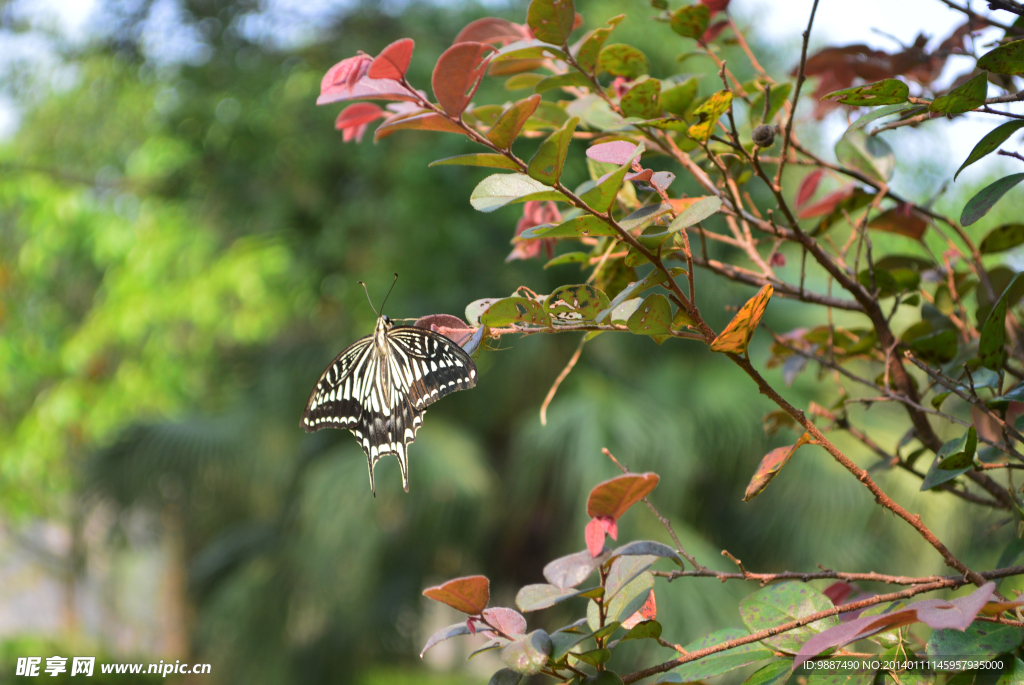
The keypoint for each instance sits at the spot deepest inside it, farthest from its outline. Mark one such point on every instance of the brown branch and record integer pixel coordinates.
(765, 578)
(800, 78)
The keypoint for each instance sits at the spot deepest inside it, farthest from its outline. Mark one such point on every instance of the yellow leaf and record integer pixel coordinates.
(737, 334)
(709, 113)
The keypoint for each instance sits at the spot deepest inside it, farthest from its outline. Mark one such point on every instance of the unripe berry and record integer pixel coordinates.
(764, 135)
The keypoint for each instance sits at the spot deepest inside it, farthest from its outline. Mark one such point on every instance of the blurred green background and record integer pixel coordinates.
(181, 232)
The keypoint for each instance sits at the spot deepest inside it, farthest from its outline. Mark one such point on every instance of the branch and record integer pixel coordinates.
(765, 578)
(800, 78)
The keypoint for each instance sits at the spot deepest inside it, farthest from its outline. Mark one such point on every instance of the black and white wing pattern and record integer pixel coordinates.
(380, 386)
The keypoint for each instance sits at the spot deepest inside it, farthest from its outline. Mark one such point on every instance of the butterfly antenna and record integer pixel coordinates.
(389, 293)
(368, 297)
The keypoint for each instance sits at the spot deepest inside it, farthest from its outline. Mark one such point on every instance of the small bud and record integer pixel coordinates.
(764, 135)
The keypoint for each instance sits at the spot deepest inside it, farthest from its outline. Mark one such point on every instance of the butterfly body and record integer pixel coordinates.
(380, 386)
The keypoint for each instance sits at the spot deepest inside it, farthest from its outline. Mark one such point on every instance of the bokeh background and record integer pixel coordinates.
(181, 232)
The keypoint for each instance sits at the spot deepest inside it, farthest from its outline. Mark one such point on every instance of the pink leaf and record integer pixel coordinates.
(393, 61)
(808, 185)
(457, 74)
(508, 621)
(617, 152)
(828, 203)
(354, 118)
(492, 30)
(595, 537)
(716, 5)
(714, 30)
(839, 591)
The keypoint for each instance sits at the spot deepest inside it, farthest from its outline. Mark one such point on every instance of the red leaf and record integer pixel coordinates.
(902, 219)
(839, 591)
(354, 118)
(451, 327)
(617, 152)
(471, 625)
(508, 621)
(492, 30)
(535, 213)
(648, 612)
(712, 31)
(827, 204)
(469, 594)
(594, 535)
(345, 73)
(808, 185)
(457, 75)
(716, 5)
(614, 497)
(366, 89)
(428, 121)
(393, 61)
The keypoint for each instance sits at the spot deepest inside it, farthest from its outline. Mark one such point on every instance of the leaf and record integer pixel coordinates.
(571, 570)
(1006, 59)
(881, 112)
(643, 100)
(420, 122)
(484, 159)
(992, 346)
(778, 604)
(888, 92)
(515, 310)
(614, 497)
(979, 205)
(934, 347)
(547, 164)
(775, 673)
(808, 186)
(992, 140)
(677, 99)
(623, 570)
(505, 676)
(468, 594)
(451, 631)
(527, 50)
(619, 59)
(645, 630)
(569, 258)
(617, 152)
(868, 154)
(505, 130)
(691, 21)
(523, 81)
(590, 45)
(963, 98)
(735, 337)
(364, 89)
(594, 657)
(719, 662)
(541, 596)
(695, 213)
(528, 654)
(779, 96)
(644, 215)
(770, 466)
(1002, 238)
(393, 61)
(903, 219)
(575, 303)
(584, 226)
(653, 317)
(708, 114)
(647, 547)
(982, 641)
(936, 613)
(953, 458)
(457, 73)
(602, 195)
(551, 20)
(626, 603)
(573, 79)
(508, 621)
(499, 190)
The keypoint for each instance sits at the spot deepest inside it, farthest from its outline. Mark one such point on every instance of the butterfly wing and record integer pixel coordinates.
(435, 366)
(336, 399)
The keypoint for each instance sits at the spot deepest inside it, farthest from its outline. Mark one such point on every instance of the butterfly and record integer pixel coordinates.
(380, 386)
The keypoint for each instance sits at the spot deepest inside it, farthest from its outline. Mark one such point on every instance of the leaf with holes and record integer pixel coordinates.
(614, 497)
(1006, 59)
(393, 61)
(511, 122)
(708, 115)
(643, 100)
(653, 317)
(888, 92)
(457, 74)
(575, 303)
(735, 337)
(499, 190)
(770, 466)
(979, 205)
(963, 98)
(783, 603)
(691, 21)
(619, 59)
(468, 594)
(590, 46)
(870, 155)
(546, 165)
(515, 310)
(719, 662)
(992, 346)
(551, 20)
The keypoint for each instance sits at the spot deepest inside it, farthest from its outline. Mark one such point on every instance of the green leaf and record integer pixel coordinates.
(695, 213)
(590, 46)
(719, 662)
(643, 100)
(644, 215)
(963, 98)
(575, 303)
(1002, 238)
(779, 96)
(648, 547)
(569, 258)
(953, 458)
(523, 81)
(602, 195)
(571, 79)
(505, 676)
(1014, 394)
(515, 310)
(623, 570)
(594, 656)
(541, 596)
(528, 49)
(584, 226)
(990, 143)
(881, 112)
(992, 346)
(778, 604)
(551, 20)
(868, 154)
(653, 317)
(830, 675)
(1006, 59)
(936, 347)
(979, 205)
(528, 654)
(498, 190)
(619, 59)
(645, 630)
(981, 641)
(708, 115)
(735, 337)
(775, 673)
(629, 599)
(691, 21)
(547, 164)
(487, 159)
(888, 92)
(549, 115)
(678, 98)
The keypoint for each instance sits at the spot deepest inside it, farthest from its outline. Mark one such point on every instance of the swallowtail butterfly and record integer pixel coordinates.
(380, 386)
